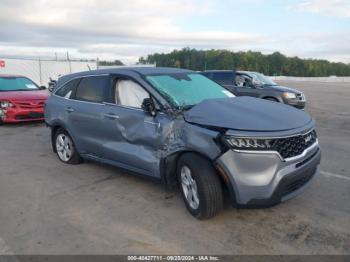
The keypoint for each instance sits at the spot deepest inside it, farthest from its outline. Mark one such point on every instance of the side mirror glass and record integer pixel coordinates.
(149, 107)
(42, 87)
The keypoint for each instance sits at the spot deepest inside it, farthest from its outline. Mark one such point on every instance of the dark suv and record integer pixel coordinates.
(177, 125)
(244, 83)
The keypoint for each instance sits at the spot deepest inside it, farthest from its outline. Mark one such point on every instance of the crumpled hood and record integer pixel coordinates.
(247, 114)
(24, 95)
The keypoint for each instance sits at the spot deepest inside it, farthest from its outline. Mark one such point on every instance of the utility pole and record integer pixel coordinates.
(70, 66)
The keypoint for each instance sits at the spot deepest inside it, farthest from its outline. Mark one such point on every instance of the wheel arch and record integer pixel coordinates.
(168, 167)
(54, 127)
(277, 99)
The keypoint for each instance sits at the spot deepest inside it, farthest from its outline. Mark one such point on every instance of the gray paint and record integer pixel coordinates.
(256, 176)
(247, 114)
(138, 142)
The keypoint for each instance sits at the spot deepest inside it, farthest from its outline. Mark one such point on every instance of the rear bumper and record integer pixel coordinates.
(261, 180)
(15, 115)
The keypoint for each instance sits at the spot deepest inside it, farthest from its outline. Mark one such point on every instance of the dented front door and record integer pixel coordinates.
(134, 138)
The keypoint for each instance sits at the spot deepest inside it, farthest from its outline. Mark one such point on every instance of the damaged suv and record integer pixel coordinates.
(182, 128)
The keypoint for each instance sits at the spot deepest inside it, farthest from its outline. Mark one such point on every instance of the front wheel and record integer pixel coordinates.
(65, 148)
(200, 186)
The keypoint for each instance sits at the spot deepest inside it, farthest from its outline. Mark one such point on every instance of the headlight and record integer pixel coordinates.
(289, 95)
(5, 104)
(249, 143)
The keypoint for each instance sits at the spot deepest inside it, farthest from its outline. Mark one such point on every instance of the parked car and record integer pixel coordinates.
(21, 99)
(244, 83)
(177, 125)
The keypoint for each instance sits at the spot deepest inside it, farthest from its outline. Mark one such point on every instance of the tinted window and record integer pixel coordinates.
(225, 78)
(67, 90)
(92, 89)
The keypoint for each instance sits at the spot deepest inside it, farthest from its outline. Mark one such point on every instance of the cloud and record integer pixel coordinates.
(338, 8)
(126, 30)
(96, 27)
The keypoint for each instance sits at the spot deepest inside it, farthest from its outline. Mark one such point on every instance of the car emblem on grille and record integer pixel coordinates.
(308, 138)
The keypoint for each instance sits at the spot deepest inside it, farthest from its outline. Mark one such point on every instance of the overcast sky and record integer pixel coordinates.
(128, 29)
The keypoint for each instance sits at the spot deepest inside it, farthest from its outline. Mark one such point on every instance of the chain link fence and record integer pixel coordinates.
(40, 70)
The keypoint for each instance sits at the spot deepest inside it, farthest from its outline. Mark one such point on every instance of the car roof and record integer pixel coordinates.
(10, 76)
(217, 71)
(127, 70)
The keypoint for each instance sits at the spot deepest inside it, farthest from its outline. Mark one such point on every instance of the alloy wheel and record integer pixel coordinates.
(189, 187)
(64, 147)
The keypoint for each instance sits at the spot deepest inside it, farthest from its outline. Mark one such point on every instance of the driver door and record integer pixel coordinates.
(244, 86)
(133, 136)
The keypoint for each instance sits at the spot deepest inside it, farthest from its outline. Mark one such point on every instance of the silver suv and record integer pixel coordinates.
(182, 128)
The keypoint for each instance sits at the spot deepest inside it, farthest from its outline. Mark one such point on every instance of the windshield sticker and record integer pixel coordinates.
(229, 94)
(30, 86)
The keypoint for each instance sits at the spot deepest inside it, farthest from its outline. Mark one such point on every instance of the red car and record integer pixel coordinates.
(21, 99)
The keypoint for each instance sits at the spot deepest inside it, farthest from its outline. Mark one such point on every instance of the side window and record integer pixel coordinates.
(92, 89)
(129, 93)
(244, 81)
(224, 78)
(68, 89)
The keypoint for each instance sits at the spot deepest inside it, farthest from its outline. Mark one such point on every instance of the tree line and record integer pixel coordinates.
(272, 64)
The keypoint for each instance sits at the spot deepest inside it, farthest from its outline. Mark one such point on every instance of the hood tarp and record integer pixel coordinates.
(247, 114)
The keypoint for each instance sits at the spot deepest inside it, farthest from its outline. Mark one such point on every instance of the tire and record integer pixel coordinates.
(65, 148)
(203, 180)
(271, 99)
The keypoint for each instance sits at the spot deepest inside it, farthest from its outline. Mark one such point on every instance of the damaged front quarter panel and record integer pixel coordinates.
(179, 137)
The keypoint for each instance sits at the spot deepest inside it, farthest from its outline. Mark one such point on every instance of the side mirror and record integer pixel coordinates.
(51, 84)
(149, 107)
(42, 87)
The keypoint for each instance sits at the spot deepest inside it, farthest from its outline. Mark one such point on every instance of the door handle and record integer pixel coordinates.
(111, 116)
(69, 109)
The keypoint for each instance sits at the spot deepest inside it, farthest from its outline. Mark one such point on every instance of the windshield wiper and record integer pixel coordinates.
(25, 89)
(187, 107)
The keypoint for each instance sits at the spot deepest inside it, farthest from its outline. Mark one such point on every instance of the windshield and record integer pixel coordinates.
(264, 80)
(17, 84)
(187, 89)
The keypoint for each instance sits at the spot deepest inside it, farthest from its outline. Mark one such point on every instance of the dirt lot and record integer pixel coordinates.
(47, 207)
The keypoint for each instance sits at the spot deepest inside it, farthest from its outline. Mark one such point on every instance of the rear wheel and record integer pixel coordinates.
(65, 148)
(200, 186)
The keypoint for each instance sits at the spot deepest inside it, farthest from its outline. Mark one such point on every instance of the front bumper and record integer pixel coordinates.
(15, 115)
(298, 102)
(263, 179)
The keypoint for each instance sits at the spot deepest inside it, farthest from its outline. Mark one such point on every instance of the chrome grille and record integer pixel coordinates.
(30, 104)
(294, 146)
(301, 96)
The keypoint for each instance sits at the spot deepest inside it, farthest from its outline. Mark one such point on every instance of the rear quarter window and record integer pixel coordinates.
(68, 89)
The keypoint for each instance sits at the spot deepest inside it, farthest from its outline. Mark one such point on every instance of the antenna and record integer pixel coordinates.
(88, 67)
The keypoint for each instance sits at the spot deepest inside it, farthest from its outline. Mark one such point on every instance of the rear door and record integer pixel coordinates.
(86, 114)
